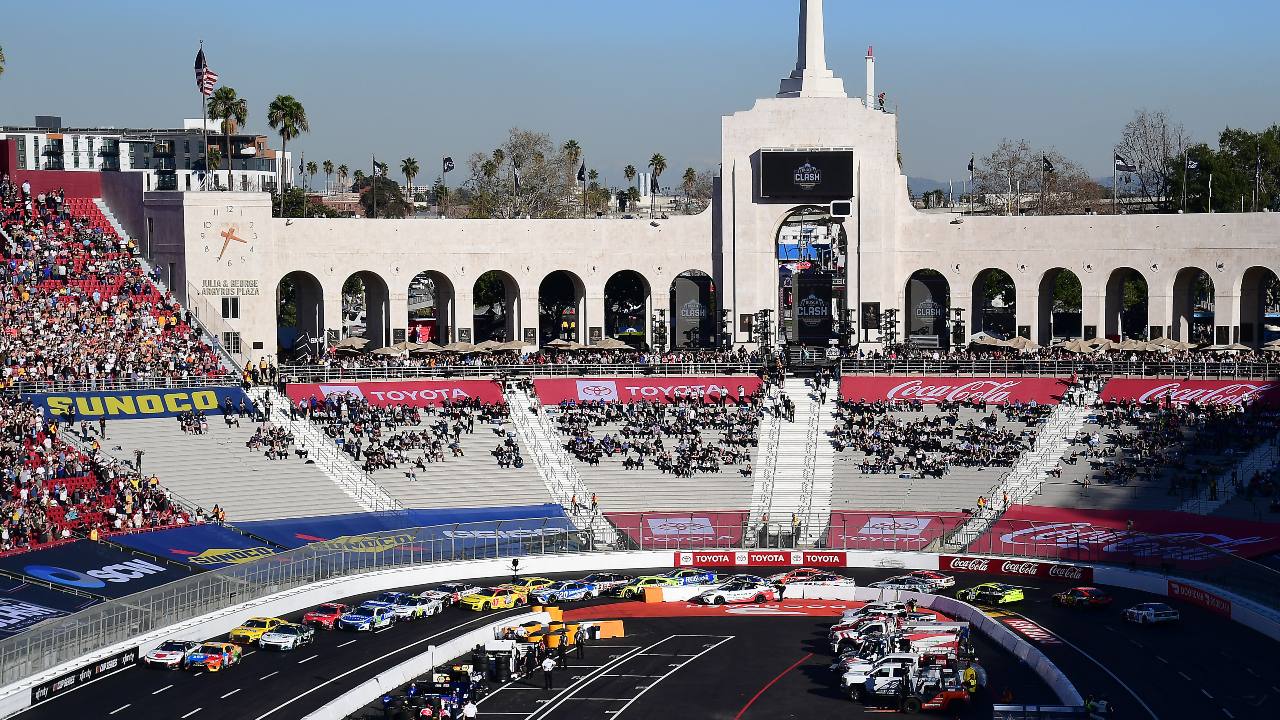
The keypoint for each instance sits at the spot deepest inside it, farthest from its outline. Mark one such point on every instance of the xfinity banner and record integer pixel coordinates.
(1265, 393)
(415, 393)
(76, 679)
(997, 391)
(138, 404)
(92, 568)
(817, 174)
(660, 390)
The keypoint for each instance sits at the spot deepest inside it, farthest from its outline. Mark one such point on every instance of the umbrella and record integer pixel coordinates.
(352, 343)
(404, 346)
(390, 350)
(1077, 346)
(1104, 345)
(612, 344)
(487, 345)
(1171, 344)
(1273, 345)
(983, 338)
(459, 347)
(513, 346)
(1132, 345)
(427, 347)
(1233, 347)
(1023, 344)
(561, 344)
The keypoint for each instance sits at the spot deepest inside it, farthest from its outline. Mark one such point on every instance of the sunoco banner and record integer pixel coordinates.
(138, 404)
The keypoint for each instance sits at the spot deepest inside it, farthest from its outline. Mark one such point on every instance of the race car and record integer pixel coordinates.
(607, 583)
(635, 588)
(691, 576)
(744, 578)
(827, 578)
(325, 616)
(494, 598)
(452, 593)
(524, 586)
(369, 616)
(879, 607)
(1086, 597)
(738, 592)
(252, 629)
(904, 582)
(214, 656)
(797, 575)
(936, 580)
(1151, 613)
(169, 654)
(992, 593)
(410, 607)
(288, 636)
(565, 590)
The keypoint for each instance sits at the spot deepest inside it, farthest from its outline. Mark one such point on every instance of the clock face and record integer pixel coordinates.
(230, 243)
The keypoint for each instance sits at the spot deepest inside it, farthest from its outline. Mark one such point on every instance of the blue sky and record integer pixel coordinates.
(433, 77)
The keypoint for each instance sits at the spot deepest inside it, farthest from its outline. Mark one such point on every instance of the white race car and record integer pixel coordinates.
(1151, 614)
(287, 637)
(411, 607)
(369, 616)
(829, 579)
(451, 593)
(738, 592)
(904, 582)
(169, 654)
(935, 579)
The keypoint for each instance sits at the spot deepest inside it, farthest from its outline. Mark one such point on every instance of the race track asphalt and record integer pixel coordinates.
(1204, 667)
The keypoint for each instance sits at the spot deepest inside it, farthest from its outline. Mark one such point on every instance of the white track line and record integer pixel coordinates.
(113, 712)
(273, 672)
(193, 712)
(157, 692)
(233, 692)
(669, 672)
(313, 657)
(346, 643)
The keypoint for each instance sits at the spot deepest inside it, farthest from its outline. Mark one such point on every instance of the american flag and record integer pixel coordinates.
(205, 78)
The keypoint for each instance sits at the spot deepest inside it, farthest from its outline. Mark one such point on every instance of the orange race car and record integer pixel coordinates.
(214, 656)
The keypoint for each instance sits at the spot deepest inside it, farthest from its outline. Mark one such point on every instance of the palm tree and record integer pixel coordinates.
(499, 157)
(687, 182)
(286, 116)
(409, 167)
(657, 163)
(629, 172)
(359, 176)
(312, 169)
(1, 60)
(234, 112)
(328, 170)
(573, 152)
(343, 172)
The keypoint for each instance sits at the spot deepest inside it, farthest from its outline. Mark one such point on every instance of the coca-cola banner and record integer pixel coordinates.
(681, 530)
(932, 390)
(1196, 596)
(1151, 537)
(415, 393)
(1075, 574)
(663, 390)
(888, 530)
(762, 558)
(1204, 392)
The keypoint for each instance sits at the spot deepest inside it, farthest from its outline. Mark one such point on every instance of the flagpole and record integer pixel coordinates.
(1210, 192)
(373, 187)
(204, 125)
(1115, 182)
(1184, 180)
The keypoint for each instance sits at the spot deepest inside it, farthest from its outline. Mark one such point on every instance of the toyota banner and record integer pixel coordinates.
(1224, 393)
(414, 393)
(933, 390)
(660, 390)
(762, 558)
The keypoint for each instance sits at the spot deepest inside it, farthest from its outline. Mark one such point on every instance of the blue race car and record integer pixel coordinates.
(369, 616)
(692, 576)
(565, 590)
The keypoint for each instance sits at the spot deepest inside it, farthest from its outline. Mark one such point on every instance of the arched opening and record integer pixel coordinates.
(299, 316)
(694, 306)
(1259, 306)
(431, 309)
(364, 309)
(560, 306)
(928, 309)
(1126, 305)
(811, 250)
(1061, 302)
(495, 298)
(626, 303)
(1193, 316)
(994, 304)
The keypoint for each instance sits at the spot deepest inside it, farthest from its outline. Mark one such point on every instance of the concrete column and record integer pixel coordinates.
(1226, 313)
(399, 309)
(590, 313)
(1093, 303)
(461, 318)
(1160, 314)
(1027, 311)
(527, 317)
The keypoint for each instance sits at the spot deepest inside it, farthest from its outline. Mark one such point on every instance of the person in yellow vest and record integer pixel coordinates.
(970, 679)
(93, 534)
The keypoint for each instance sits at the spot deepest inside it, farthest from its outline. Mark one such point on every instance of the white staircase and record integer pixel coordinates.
(337, 465)
(1262, 458)
(111, 218)
(766, 469)
(1028, 473)
(555, 465)
(796, 480)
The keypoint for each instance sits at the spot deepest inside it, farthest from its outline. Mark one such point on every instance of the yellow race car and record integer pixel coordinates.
(524, 586)
(494, 598)
(253, 629)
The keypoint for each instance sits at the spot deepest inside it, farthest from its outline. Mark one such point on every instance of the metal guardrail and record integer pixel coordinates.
(103, 385)
(63, 639)
(327, 374)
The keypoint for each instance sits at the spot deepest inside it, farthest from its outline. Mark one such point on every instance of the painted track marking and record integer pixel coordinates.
(346, 643)
(573, 689)
(193, 712)
(113, 712)
(273, 672)
(157, 692)
(770, 684)
(313, 657)
(650, 686)
(233, 692)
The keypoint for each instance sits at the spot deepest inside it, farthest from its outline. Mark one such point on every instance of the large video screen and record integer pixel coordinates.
(819, 174)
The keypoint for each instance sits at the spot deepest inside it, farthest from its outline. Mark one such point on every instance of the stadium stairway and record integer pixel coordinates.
(555, 466)
(109, 217)
(340, 468)
(217, 468)
(766, 470)
(801, 482)
(1262, 459)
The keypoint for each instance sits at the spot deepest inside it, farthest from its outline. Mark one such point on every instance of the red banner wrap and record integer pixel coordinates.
(681, 530)
(1157, 536)
(1204, 392)
(888, 530)
(1075, 574)
(556, 390)
(933, 390)
(762, 558)
(1196, 596)
(415, 393)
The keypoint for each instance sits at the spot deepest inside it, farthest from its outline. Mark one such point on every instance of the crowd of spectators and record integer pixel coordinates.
(408, 363)
(683, 437)
(899, 437)
(1098, 361)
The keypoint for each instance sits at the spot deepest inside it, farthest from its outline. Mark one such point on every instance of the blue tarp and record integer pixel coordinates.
(94, 568)
(137, 404)
(23, 605)
(296, 532)
(204, 547)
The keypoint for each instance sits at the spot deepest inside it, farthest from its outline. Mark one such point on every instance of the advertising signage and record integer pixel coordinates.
(816, 174)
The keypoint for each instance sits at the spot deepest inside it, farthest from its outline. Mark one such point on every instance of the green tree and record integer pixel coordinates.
(629, 172)
(1067, 293)
(1, 60)
(440, 195)
(409, 168)
(343, 174)
(572, 152)
(286, 116)
(312, 169)
(499, 157)
(657, 163)
(215, 158)
(233, 111)
(386, 196)
(359, 178)
(687, 182)
(328, 172)
(296, 203)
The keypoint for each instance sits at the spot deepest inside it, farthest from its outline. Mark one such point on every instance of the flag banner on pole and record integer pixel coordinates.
(582, 172)
(205, 78)
(971, 165)
(515, 176)
(1123, 165)
(1048, 164)
(1193, 164)
(448, 164)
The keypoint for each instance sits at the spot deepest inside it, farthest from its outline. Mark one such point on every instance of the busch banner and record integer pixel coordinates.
(661, 390)
(1016, 568)
(415, 393)
(933, 390)
(762, 558)
(1204, 392)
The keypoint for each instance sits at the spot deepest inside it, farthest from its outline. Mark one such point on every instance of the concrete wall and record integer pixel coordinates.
(123, 193)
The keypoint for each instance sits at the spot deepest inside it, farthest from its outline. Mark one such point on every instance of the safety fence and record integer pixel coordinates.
(329, 374)
(1033, 367)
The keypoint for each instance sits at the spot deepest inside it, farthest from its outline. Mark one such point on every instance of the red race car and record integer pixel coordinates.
(1086, 597)
(325, 615)
(797, 575)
